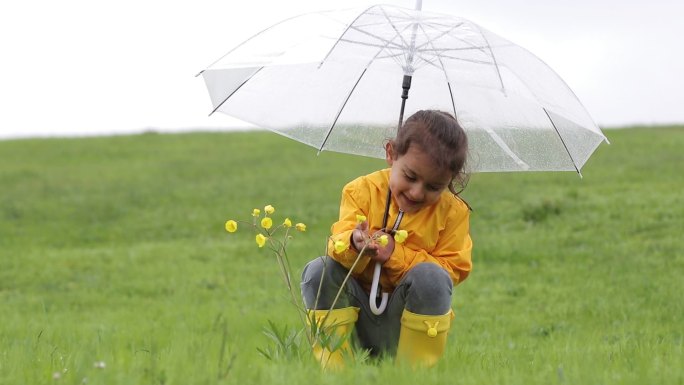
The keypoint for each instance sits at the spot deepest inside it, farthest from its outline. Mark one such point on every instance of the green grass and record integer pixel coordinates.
(112, 250)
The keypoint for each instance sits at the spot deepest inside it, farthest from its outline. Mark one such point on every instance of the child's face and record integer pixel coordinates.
(415, 180)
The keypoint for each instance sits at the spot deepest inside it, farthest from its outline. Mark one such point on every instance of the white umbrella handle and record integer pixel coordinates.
(374, 292)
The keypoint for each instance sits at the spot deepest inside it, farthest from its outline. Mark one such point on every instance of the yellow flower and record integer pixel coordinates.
(301, 227)
(260, 240)
(266, 223)
(383, 240)
(269, 209)
(256, 212)
(340, 246)
(231, 226)
(400, 236)
(287, 222)
(360, 218)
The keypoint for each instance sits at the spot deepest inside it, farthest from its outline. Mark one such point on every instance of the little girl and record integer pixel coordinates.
(416, 194)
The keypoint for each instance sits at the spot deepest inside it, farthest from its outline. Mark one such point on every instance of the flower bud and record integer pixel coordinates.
(269, 209)
(231, 226)
(340, 246)
(260, 240)
(383, 240)
(400, 236)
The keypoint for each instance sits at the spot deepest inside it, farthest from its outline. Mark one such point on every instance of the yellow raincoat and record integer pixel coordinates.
(438, 233)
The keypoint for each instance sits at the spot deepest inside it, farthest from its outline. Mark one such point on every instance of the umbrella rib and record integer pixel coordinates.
(438, 56)
(562, 141)
(431, 61)
(491, 52)
(497, 139)
(386, 41)
(453, 103)
(379, 38)
(429, 41)
(350, 26)
(395, 45)
(472, 47)
(376, 45)
(235, 90)
(394, 27)
(339, 112)
(428, 62)
(389, 56)
(476, 47)
(436, 52)
(468, 60)
(446, 74)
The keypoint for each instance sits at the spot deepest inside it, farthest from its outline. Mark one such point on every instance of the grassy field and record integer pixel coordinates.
(115, 268)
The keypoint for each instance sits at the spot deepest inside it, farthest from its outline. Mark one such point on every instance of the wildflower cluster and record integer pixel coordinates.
(267, 234)
(265, 230)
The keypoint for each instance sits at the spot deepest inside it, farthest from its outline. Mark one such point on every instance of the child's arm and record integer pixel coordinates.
(352, 204)
(452, 252)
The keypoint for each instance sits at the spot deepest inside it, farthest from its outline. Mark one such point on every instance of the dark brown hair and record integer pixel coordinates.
(441, 137)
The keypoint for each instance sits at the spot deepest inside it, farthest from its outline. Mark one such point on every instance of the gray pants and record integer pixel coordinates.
(425, 289)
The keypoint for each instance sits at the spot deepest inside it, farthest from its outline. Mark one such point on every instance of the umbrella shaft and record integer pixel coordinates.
(405, 85)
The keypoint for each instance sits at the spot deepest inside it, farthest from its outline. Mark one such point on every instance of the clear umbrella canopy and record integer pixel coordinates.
(333, 80)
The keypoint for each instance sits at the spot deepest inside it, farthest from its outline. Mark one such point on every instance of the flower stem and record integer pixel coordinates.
(344, 282)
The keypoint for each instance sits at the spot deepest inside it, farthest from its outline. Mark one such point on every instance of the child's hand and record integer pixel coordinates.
(382, 253)
(360, 238)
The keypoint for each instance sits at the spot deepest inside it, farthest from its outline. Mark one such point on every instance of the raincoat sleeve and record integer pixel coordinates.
(354, 202)
(452, 251)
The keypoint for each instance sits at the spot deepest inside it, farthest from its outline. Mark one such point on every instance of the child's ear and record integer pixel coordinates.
(389, 153)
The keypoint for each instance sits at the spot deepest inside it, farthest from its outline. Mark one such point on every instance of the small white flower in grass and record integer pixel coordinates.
(56, 375)
(100, 364)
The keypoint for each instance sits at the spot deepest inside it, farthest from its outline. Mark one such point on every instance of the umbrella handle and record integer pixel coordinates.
(377, 310)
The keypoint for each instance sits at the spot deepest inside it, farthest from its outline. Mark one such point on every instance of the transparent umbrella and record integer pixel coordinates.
(340, 81)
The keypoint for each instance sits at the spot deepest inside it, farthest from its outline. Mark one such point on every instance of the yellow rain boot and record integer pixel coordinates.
(422, 338)
(338, 324)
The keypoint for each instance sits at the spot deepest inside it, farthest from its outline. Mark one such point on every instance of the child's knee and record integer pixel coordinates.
(312, 269)
(320, 269)
(429, 290)
(312, 273)
(431, 277)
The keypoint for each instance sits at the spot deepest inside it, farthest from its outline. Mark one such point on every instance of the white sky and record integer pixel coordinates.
(91, 67)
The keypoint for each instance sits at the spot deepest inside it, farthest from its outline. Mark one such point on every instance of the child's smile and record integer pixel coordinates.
(415, 180)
